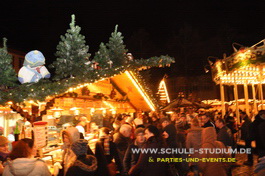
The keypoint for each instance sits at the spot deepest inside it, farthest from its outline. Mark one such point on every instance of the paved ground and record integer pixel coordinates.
(244, 170)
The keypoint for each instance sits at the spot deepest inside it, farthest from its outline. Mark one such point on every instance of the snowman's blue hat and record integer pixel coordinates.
(34, 58)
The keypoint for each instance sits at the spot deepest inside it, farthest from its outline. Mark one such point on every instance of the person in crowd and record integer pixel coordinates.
(257, 132)
(107, 122)
(122, 139)
(110, 151)
(4, 151)
(245, 135)
(185, 124)
(131, 158)
(164, 122)
(194, 141)
(154, 121)
(206, 121)
(84, 165)
(260, 167)
(70, 135)
(231, 124)
(145, 166)
(82, 122)
(116, 126)
(129, 120)
(181, 133)
(170, 136)
(139, 120)
(146, 120)
(173, 118)
(209, 141)
(23, 163)
(224, 134)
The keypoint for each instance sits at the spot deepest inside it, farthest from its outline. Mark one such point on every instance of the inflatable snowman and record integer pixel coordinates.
(33, 68)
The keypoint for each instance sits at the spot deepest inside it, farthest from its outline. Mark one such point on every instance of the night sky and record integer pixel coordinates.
(188, 30)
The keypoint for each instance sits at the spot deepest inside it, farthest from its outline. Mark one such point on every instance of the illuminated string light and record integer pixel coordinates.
(140, 89)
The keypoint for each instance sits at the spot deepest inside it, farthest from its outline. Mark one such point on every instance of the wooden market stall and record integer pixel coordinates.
(79, 88)
(245, 67)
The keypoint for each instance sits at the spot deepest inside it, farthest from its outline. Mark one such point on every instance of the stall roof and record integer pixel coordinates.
(136, 93)
(245, 66)
(179, 102)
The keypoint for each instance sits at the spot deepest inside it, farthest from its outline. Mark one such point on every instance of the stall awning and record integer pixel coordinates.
(129, 84)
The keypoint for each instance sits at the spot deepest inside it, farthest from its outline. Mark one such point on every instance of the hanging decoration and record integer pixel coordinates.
(100, 96)
(246, 56)
(112, 94)
(85, 91)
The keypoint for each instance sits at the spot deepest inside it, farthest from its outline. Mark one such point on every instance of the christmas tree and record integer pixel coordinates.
(8, 75)
(102, 57)
(72, 54)
(117, 51)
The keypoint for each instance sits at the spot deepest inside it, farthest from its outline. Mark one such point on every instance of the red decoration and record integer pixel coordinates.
(112, 94)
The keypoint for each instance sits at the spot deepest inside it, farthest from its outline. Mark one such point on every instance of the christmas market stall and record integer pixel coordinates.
(106, 85)
(245, 67)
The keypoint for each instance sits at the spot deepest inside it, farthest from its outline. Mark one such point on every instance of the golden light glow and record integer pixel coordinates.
(243, 75)
(140, 89)
(108, 104)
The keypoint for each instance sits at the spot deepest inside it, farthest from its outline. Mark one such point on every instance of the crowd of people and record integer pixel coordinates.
(115, 150)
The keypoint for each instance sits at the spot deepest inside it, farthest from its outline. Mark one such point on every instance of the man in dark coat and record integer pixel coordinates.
(122, 139)
(224, 134)
(206, 121)
(131, 157)
(245, 135)
(110, 150)
(149, 163)
(257, 132)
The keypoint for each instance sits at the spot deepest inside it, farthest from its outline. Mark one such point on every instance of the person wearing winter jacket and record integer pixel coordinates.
(110, 151)
(245, 135)
(70, 135)
(84, 165)
(147, 164)
(209, 141)
(260, 167)
(194, 141)
(131, 158)
(22, 163)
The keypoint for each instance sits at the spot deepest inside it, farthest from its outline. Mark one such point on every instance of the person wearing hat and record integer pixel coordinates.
(69, 136)
(84, 165)
(130, 158)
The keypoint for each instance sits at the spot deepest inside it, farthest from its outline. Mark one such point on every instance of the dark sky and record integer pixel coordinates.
(188, 30)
